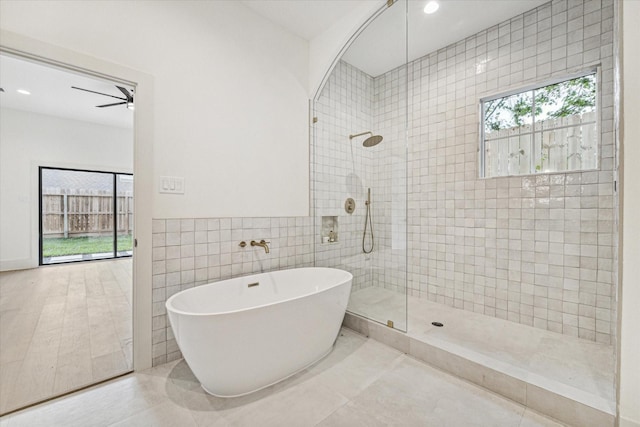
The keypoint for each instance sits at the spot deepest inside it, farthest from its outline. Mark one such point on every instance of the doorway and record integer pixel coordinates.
(64, 325)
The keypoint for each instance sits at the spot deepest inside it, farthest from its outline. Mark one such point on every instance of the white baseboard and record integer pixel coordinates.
(17, 264)
(626, 422)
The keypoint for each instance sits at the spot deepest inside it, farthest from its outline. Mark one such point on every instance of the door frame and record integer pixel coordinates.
(45, 53)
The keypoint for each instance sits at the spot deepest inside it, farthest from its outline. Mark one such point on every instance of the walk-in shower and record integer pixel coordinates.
(534, 253)
(371, 141)
(373, 165)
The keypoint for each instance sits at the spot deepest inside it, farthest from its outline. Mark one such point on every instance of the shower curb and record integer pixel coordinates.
(564, 403)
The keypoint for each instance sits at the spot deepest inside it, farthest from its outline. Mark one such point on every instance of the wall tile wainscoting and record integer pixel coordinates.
(193, 252)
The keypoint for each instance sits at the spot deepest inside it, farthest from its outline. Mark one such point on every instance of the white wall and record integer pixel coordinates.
(29, 140)
(629, 399)
(230, 95)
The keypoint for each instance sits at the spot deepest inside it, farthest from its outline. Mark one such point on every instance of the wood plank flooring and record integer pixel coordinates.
(63, 327)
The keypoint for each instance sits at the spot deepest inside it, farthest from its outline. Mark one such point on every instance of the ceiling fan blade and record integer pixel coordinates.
(126, 93)
(99, 93)
(111, 105)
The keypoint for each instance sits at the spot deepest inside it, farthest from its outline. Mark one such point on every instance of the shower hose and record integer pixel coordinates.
(368, 223)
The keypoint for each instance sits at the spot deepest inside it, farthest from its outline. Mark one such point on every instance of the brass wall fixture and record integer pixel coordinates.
(368, 223)
(349, 205)
(369, 142)
(243, 244)
(262, 244)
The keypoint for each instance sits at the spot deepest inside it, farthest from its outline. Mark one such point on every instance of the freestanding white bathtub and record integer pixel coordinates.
(244, 334)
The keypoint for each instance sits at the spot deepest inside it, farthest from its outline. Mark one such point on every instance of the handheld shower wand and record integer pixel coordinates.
(367, 222)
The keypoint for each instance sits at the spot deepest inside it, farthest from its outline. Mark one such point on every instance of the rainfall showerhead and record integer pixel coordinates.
(372, 140)
(369, 142)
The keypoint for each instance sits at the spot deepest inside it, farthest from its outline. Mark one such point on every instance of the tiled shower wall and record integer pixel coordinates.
(538, 250)
(193, 252)
(341, 168)
(389, 177)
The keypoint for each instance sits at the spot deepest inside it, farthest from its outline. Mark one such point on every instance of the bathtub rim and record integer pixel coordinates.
(169, 307)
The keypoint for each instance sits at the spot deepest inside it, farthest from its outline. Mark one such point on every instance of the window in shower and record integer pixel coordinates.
(542, 129)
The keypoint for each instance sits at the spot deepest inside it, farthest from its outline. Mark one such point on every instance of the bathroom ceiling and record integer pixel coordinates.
(51, 93)
(381, 47)
(305, 18)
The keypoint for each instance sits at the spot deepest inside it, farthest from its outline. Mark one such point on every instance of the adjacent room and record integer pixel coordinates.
(66, 220)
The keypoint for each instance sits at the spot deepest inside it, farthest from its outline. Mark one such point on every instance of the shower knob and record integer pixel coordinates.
(349, 205)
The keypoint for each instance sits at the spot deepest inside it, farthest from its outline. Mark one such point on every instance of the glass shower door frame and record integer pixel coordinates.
(319, 206)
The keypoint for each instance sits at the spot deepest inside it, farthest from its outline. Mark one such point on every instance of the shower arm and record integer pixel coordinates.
(360, 134)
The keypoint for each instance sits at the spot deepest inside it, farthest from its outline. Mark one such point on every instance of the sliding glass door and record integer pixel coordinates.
(124, 214)
(84, 215)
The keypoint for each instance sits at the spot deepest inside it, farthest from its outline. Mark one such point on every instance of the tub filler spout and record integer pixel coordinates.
(261, 243)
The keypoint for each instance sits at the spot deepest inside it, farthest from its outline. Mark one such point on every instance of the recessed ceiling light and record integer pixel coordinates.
(24, 92)
(431, 7)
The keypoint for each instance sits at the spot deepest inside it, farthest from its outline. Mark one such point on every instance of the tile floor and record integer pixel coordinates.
(380, 305)
(361, 383)
(573, 366)
(63, 327)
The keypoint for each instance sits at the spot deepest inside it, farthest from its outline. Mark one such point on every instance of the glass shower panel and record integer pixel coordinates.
(359, 152)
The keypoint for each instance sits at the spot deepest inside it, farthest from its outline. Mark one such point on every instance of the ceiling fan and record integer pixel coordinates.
(127, 100)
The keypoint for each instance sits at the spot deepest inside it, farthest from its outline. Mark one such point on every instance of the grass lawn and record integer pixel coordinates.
(83, 245)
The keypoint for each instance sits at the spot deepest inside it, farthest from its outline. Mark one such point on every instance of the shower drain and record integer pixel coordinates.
(438, 324)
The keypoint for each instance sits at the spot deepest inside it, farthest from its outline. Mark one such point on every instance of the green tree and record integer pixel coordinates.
(571, 97)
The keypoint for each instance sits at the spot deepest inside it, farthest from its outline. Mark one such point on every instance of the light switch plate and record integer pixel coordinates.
(172, 184)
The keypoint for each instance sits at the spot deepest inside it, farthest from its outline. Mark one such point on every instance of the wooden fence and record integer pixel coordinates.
(555, 145)
(79, 213)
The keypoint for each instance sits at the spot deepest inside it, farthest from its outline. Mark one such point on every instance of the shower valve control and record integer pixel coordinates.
(349, 205)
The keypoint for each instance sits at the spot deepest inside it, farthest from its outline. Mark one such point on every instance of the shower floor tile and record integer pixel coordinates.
(361, 382)
(574, 366)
